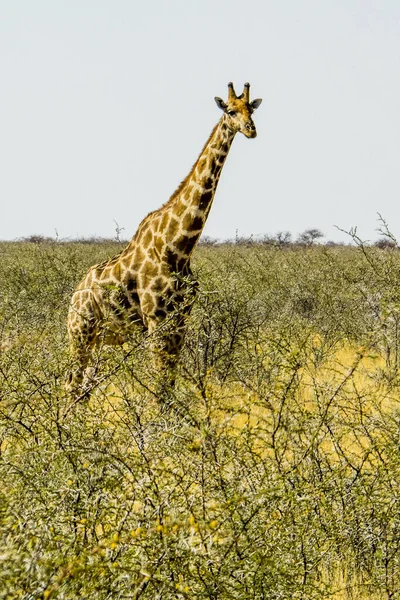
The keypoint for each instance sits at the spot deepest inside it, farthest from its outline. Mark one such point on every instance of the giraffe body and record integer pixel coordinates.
(147, 285)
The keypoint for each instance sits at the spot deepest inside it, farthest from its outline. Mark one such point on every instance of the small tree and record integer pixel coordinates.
(283, 238)
(385, 243)
(309, 237)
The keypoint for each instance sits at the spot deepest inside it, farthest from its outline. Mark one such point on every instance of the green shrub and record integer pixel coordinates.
(275, 476)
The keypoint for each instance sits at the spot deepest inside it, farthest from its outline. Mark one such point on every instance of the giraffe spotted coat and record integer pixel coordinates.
(147, 284)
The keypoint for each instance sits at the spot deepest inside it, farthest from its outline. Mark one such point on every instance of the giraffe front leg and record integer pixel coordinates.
(166, 339)
(81, 331)
(167, 344)
(80, 356)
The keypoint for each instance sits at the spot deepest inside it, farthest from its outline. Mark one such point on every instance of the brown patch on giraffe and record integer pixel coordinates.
(187, 194)
(164, 221)
(158, 243)
(190, 223)
(173, 227)
(126, 261)
(131, 290)
(205, 200)
(186, 245)
(182, 262)
(201, 165)
(148, 304)
(224, 148)
(196, 196)
(179, 208)
(134, 298)
(161, 302)
(149, 270)
(172, 259)
(159, 284)
(131, 284)
(116, 272)
(216, 168)
(123, 300)
(139, 257)
(170, 305)
(147, 238)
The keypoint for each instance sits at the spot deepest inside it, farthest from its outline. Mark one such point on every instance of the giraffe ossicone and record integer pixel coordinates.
(149, 284)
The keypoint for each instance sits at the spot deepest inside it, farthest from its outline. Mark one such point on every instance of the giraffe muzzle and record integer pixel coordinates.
(251, 130)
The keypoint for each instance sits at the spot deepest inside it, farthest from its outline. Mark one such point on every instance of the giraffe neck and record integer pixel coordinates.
(192, 201)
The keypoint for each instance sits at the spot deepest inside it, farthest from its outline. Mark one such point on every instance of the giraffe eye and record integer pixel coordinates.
(231, 113)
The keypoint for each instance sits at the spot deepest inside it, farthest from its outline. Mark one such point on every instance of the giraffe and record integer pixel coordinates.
(149, 284)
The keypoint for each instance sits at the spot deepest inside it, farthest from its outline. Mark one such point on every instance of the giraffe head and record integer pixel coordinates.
(238, 110)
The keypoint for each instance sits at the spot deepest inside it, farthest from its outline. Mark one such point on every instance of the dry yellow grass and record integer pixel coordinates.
(350, 383)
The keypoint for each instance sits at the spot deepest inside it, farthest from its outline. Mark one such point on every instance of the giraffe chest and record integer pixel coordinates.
(165, 293)
(122, 310)
(117, 299)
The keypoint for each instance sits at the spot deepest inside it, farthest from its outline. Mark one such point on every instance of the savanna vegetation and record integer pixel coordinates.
(276, 475)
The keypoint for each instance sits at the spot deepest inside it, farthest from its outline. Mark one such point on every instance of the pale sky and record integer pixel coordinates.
(106, 104)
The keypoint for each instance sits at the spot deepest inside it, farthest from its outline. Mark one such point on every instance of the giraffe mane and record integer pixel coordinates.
(181, 185)
(189, 175)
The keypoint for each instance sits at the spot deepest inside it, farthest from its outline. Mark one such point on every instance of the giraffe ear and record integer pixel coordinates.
(220, 103)
(256, 103)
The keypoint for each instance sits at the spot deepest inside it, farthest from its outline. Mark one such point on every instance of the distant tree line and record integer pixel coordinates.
(309, 237)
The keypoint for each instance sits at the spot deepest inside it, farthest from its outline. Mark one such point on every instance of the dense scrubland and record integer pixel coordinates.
(275, 476)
